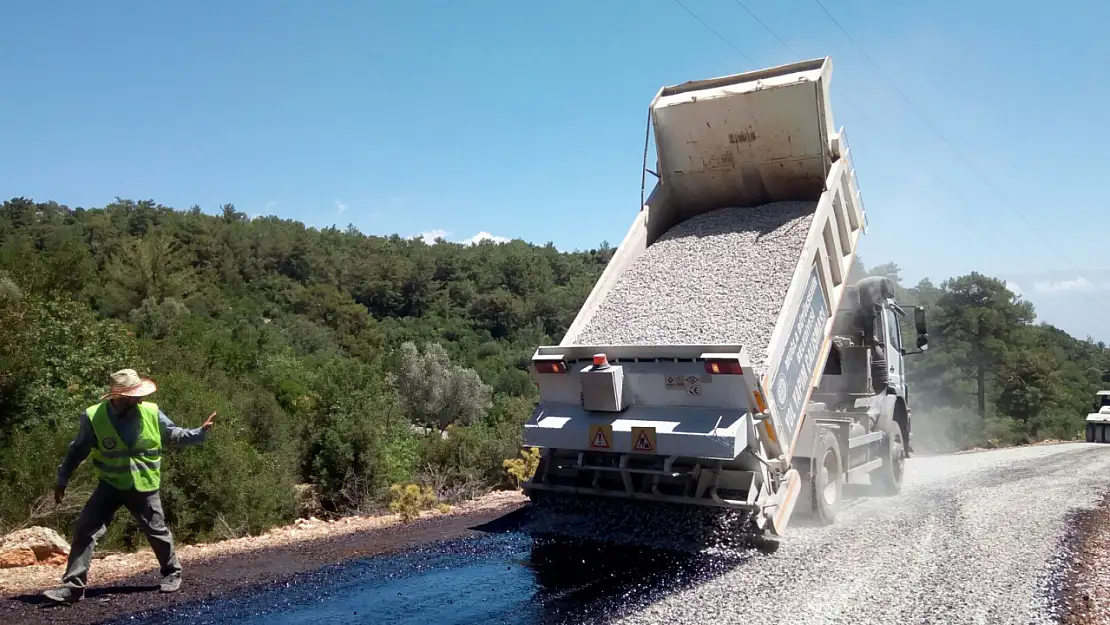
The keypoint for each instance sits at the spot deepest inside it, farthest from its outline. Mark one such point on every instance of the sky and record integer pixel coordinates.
(977, 128)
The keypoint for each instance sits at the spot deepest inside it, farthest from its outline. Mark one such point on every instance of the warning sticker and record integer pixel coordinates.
(643, 440)
(601, 437)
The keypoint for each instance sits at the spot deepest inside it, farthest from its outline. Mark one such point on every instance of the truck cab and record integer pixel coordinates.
(858, 418)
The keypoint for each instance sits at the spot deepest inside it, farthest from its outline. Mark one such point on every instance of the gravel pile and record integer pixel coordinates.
(720, 277)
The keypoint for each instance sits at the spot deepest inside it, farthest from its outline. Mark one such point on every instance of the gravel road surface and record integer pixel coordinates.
(973, 538)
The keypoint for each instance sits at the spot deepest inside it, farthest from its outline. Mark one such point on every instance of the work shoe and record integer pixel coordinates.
(170, 583)
(64, 594)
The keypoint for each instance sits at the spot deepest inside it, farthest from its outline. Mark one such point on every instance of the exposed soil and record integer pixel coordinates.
(127, 584)
(1085, 587)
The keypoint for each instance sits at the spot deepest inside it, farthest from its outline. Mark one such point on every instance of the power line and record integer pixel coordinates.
(887, 134)
(765, 26)
(712, 30)
(890, 81)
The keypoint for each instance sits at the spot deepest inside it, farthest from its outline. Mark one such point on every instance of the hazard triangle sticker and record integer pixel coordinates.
(599, 440)
(643, 440)
(601, 437)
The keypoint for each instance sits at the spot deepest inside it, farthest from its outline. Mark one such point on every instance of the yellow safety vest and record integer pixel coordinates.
(123, 467)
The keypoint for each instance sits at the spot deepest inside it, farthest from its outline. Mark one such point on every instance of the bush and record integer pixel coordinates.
(409, 500)
(523, 468)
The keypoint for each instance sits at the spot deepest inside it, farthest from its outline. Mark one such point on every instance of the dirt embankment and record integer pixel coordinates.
(124, 584)
(1085, 585)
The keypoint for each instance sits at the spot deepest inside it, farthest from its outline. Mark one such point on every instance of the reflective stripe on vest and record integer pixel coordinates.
(125, 467)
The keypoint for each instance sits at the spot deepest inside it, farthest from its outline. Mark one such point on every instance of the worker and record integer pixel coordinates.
(125, 435)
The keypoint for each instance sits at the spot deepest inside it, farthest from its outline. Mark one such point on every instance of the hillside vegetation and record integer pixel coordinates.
(355, 363)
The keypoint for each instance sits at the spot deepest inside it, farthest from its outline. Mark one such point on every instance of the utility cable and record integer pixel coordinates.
(932, 126)
(886, 134)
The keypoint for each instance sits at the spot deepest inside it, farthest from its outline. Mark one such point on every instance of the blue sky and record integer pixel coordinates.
(525, 119)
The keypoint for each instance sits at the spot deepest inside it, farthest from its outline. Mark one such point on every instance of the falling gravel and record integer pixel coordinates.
(717, 278)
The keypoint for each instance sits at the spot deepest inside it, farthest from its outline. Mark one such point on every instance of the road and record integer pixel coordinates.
(973, 538)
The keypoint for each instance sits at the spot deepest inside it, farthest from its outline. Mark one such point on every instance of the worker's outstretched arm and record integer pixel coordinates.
(78, 450)
(173, 436)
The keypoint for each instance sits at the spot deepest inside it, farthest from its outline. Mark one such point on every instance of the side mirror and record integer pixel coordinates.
(922, 330)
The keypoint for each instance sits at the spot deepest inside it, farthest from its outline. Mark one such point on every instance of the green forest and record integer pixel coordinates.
(343, 364)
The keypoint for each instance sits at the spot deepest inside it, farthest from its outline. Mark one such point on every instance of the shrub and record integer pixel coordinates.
(523, 468)
(409, 500)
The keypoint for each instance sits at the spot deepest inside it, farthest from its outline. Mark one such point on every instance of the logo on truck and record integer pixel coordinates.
(799, 357)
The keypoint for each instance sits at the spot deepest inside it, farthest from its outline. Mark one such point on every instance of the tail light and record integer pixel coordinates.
(549, 365)
(723, 367)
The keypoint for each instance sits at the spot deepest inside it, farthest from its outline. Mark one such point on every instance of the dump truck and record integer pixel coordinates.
(818, 398)
(1098, 422)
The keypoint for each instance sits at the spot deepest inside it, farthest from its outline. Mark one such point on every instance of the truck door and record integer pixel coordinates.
(894, 360)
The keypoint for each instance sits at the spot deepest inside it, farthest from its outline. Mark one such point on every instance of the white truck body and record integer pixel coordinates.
(694, 423)
(1098, 422)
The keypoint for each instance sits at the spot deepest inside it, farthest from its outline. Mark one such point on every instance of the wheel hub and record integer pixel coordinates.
(899, 457)
(828, 478)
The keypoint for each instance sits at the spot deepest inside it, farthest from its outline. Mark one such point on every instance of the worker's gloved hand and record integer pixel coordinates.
(59, 494)
(209, 422)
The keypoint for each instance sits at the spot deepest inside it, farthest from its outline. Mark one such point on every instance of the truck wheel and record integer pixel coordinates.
(826, 483)
(887, 479)
(1090, 432)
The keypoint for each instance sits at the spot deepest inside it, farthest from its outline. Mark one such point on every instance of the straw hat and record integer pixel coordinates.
(127, 383)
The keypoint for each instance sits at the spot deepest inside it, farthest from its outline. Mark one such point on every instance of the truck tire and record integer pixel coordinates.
(887, 479)
(1090, 432)
(826, 484)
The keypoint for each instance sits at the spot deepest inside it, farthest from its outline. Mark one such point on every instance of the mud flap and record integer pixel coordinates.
(783, 502)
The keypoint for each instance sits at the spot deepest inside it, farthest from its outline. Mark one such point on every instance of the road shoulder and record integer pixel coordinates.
(126, 584)
(1084, 592)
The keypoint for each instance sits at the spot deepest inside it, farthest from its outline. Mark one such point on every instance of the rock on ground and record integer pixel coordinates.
(717, 278)
(31, 546)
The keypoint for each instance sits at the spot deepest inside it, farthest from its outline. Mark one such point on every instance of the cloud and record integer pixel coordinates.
(340, 207)
(1078, 284)
(485, 236)
(431, 236)
(1013, 286)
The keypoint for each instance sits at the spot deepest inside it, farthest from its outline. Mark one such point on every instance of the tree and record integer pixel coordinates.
(977, 318)
(1029, 383)
(438, 392)
(154, 266)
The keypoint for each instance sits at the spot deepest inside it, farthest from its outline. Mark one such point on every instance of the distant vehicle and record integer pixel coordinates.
(1098, 422)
